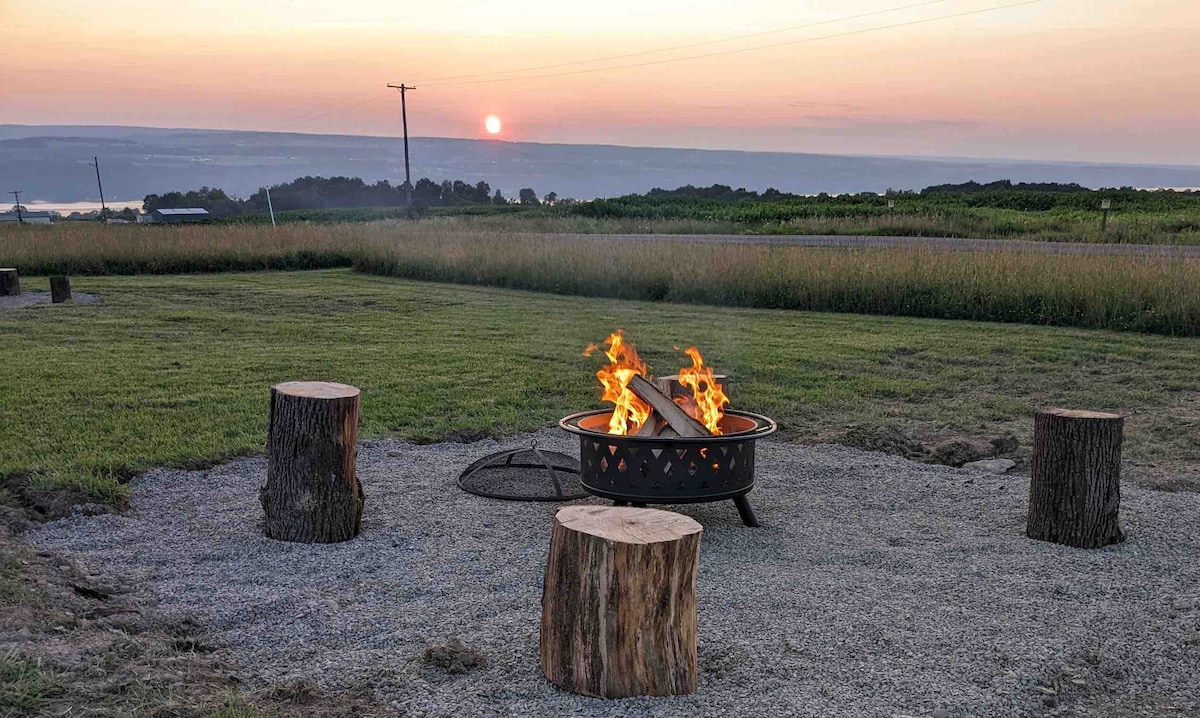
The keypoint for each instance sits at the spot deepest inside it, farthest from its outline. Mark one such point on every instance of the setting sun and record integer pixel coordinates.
(492, 124)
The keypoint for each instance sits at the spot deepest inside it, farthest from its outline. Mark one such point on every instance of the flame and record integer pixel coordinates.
(629, 411)
(708, 400)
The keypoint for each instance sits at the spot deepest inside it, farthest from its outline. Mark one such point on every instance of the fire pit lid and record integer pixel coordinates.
(525, 474)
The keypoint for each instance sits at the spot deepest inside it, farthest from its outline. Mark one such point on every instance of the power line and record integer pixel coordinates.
(732, 38)
(345, 107)
(335, 105)
(848, 33)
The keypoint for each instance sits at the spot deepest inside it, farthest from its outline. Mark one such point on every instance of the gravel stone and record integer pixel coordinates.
(875, 587)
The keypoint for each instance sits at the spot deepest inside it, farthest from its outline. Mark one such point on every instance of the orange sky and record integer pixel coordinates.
(1059, 79)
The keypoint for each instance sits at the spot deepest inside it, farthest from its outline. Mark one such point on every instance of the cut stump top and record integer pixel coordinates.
(628, 525)
(317, 389)
(1080, 414)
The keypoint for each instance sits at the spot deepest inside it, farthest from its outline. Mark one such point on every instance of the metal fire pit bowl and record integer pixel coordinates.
(656, 470)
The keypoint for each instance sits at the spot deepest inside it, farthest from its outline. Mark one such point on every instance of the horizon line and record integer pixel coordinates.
(912, 158)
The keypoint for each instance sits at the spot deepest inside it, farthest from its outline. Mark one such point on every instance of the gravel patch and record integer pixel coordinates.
(876, 587)
(33, 299)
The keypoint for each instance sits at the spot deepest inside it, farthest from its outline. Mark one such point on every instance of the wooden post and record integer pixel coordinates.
(60, 289)
(1075, 491)
(10, 282)
(312, 494)
(619, 602)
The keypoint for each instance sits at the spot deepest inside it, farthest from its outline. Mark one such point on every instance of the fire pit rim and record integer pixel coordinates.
(765, 426)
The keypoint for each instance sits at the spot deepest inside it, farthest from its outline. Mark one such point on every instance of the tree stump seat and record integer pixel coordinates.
(619, 602)
(1075, 488)
(10, 282)
(312, 493)
(60, 289)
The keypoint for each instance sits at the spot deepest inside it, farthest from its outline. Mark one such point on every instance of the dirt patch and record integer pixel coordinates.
(932, 449)
(23, 504)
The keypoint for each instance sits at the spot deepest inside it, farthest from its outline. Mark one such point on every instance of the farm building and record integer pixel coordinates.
(178, 216)
(27, 217)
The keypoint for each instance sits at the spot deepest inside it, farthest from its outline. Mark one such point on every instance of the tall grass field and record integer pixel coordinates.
(1151, 294)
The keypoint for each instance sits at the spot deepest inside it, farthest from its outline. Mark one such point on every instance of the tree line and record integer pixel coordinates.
(341, 193)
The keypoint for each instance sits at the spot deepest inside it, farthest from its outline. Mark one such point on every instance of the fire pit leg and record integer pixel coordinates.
(744, 510)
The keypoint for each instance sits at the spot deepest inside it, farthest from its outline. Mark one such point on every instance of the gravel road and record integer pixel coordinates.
(945, 243)
(876, 587)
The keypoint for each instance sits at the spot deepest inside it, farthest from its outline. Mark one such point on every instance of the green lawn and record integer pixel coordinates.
(175, 369)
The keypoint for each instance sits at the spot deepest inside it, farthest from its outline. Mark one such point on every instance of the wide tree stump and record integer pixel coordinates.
(60, 290)
(10, 282)
(619, 602)
(1075, 491)
(312, 494)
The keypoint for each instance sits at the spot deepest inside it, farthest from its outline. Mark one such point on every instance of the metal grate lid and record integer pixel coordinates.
(526, 474)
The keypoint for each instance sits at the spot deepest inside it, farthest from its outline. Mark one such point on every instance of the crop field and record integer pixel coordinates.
(1136, 217)
(1149, 294)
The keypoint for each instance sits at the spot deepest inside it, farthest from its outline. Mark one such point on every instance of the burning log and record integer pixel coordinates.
(672, 413)
(619, 602)
(653, 425)
(312, 493)
(671, 386)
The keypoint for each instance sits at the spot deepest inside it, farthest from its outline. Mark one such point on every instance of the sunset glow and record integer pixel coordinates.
(1113, 80)
(492, 125)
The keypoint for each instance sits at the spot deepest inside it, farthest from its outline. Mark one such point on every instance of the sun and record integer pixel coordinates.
(492, 125)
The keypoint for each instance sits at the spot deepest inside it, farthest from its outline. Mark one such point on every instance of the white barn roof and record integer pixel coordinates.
(182, 211)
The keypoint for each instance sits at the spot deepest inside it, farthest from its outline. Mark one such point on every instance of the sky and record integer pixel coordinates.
(1087, 80)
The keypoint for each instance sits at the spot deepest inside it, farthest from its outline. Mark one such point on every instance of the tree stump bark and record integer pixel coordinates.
(1075, 491)
(60, 290)
(619, 602)
(10, 282)
(312, 494)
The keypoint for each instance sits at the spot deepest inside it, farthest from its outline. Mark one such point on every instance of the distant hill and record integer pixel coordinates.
(51, 163)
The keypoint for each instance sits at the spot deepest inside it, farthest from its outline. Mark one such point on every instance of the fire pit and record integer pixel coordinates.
(670, 470)
(669, 440)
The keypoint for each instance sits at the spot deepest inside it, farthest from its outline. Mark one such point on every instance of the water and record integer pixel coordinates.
(68, 207)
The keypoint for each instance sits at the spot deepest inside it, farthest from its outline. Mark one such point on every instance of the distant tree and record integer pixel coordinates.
(527, 196)
(427, 193)
(212, 199)
(498, 198)
(482, 193)
(550, 198)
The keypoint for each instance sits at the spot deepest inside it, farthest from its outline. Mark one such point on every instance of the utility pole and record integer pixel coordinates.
(1105, 205)
(404, 118)
(16, 193)
(103, 207)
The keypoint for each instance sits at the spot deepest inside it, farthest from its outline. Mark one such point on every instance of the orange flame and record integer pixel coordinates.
(708, 399)
(629, 411)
